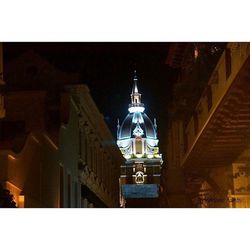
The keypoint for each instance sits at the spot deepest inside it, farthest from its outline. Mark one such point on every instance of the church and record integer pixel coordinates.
(137, 140)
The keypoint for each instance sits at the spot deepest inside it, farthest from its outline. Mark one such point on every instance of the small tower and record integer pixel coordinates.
(136, 105)
(137, 140)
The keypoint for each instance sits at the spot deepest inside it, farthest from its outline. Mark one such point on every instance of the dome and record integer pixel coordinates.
(135, 124)
(136, 136)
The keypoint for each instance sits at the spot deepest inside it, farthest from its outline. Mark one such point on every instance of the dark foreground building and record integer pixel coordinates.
(209, 126)
(55, 148)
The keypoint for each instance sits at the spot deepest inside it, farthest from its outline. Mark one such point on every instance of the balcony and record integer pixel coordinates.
(220, 92)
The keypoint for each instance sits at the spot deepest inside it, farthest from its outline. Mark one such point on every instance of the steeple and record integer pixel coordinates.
(136, 105)
(155, 125)
(138, 143)
(135, 88)
(118, 126)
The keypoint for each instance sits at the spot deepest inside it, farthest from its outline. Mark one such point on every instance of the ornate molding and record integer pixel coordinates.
(88, 178)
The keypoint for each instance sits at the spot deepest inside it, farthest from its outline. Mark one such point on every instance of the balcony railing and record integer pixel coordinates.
(221, 79)
(136, 105)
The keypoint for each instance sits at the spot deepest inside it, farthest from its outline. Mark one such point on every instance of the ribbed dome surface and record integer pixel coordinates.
(130, 122)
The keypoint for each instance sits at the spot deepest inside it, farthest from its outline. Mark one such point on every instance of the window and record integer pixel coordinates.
(138, 146)
(11, 129)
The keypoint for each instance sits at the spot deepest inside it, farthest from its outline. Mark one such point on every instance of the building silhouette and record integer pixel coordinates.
(208, 130)
(55, 148)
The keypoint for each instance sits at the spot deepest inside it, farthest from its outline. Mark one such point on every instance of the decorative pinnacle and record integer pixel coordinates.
(135, 75)
(136, 105)
(155, 125)
(118, 127)
(135, 88)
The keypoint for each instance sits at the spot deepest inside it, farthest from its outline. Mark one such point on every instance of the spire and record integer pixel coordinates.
(155, 125)
(118, 127)
(136, 105)
(135, 95)
(135, 88)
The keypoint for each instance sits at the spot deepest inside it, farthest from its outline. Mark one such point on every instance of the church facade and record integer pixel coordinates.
(138, 142)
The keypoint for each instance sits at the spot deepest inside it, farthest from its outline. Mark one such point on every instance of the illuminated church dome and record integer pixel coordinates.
(137, 124)
(137, 136)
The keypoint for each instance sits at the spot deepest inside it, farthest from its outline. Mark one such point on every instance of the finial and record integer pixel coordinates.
(135, 75)
(155, 125)
(118, 127)
(135, 88)
(136, 105)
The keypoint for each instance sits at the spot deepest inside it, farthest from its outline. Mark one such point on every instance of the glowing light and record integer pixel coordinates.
(21, 201)
(11, 157)
(124, 143)
(129, 138)
(51, 142)
(139, 177)
(136, 109)
(157, 156)
(196, 53)
(152, 142)
(137, 117)
(138, 130)
(127, 156)
(35, 139)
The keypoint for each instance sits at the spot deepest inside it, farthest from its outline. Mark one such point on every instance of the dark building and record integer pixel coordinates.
(55, 148)
(208, 130)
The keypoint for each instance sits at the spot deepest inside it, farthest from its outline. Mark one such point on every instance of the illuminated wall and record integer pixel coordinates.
(32, 176)
(89, 158)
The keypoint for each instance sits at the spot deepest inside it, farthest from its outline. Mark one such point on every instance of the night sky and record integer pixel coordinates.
(107, 68)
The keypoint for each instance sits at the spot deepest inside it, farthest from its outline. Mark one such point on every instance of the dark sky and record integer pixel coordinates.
(107, 68)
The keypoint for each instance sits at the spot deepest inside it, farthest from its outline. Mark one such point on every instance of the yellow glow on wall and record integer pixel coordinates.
(51, 142)
(21, 200)
(127, 156)
(9, 185)
(14, 190)
(139, 155)
(35, 139)
(157, 156)
(196, 53)
(11, 157)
